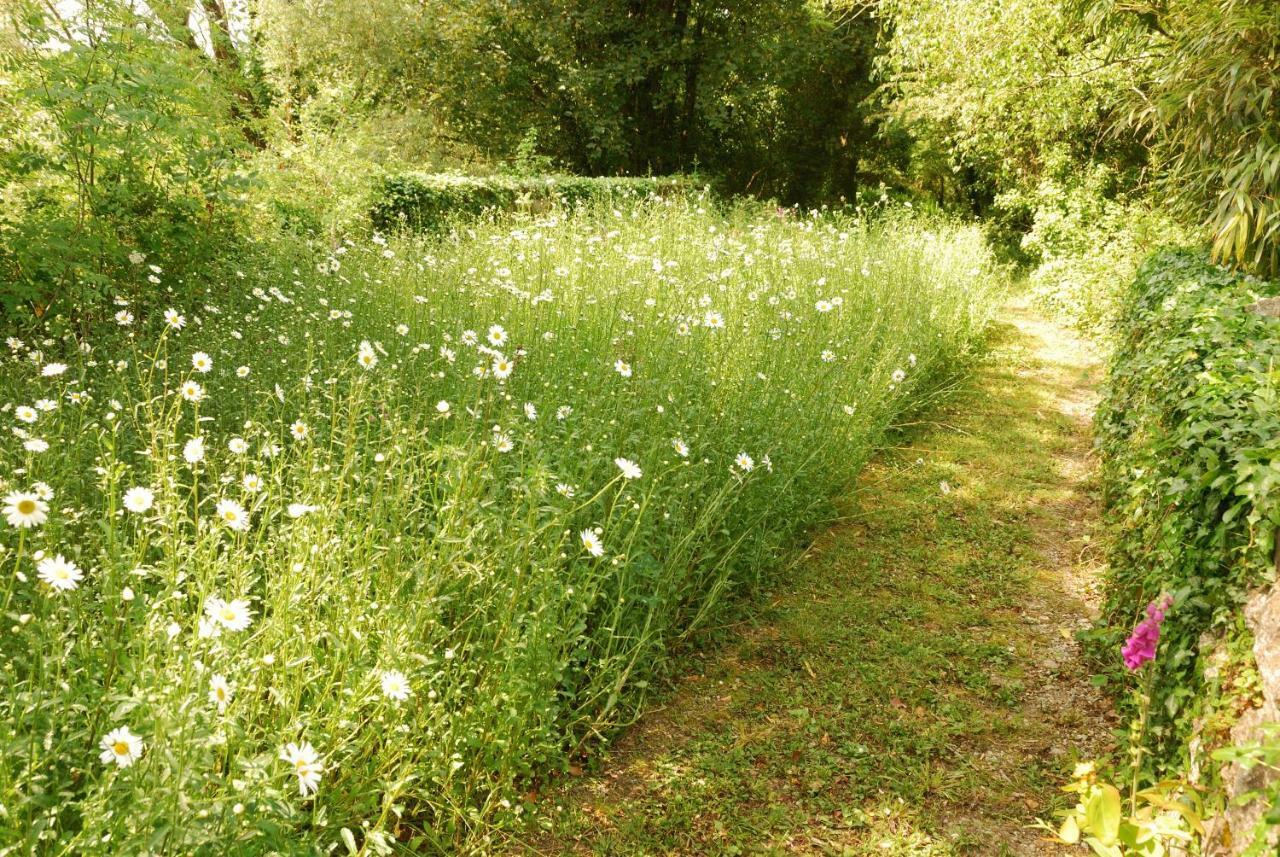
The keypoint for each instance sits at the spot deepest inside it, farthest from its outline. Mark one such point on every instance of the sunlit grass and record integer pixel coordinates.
(419, 520)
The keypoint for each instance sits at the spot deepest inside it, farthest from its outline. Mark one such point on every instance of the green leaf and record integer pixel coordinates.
(1102, 814)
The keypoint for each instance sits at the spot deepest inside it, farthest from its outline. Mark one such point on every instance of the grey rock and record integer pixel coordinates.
(1229, 834)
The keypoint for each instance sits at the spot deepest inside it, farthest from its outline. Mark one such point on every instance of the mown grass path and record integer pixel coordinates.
(913, 687)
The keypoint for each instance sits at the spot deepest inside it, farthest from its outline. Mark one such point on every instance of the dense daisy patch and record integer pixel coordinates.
(360, 547)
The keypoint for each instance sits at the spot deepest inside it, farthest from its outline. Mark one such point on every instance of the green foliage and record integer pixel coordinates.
(116, 146)
(434, 202)
(745, 361)
(1085, 243)
(1208, 101)
(996, 93)
(763, 95)
(880, 703)
(1189, 433)
(1156, 821)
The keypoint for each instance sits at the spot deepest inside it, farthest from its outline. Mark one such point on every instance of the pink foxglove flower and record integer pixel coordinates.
(1142, 643)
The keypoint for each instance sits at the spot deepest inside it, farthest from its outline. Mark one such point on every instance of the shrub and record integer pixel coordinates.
(116, 149)
(425, 202)
(1202, 93)
(1085, 244)
(1189, 433)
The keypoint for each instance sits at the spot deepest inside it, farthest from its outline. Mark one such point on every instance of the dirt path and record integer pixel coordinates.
(914, 686)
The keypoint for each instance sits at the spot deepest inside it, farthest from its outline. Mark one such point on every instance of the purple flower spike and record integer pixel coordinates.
(1141, 645)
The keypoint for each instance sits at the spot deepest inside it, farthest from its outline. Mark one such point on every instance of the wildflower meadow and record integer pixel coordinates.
(352, 550)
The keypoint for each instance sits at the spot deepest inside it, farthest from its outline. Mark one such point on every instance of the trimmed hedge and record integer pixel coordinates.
(1189, 434)
(430, 202)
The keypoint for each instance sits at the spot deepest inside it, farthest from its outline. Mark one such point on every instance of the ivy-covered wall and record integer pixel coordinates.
(1189, 436)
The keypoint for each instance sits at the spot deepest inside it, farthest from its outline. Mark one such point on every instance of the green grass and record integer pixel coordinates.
(397, 539)
(912, 689)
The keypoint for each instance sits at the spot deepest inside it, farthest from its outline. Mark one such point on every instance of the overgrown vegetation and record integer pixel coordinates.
(890, 697)
(110, 148)
(1188, 436)
(362, 547)
(242, 163)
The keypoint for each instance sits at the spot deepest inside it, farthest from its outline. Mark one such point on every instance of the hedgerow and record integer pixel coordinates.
(430, 202)
(1189, 435)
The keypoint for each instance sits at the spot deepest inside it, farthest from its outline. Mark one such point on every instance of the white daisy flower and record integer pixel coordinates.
(395, 686)
(53, 369)
(307, 766)
(193, 450)
(502, 367)
(24, 510)
(174, 319)
(201, 362)
(744, 462)
(681, 448)
(61, 574)
(622, 367)
(120, 746)
(299, 430)
(630, 470)
(25, 413)
(591, 543)
(191, 391)
(139, 500)
(233, 515)
(233, 615)
(220, 692)
(497, 336)
(366, 356)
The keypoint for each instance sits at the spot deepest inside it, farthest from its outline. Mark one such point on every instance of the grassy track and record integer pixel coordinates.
(914, 688)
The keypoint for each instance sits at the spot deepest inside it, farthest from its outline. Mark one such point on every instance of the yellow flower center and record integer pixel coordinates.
(228, 614)
(27, 506)
(120, 748)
